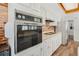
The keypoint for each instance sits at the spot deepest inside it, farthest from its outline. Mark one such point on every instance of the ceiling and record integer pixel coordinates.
(69, 7)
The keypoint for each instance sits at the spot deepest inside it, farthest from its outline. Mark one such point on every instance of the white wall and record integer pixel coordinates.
(76, 28)
(75, 17)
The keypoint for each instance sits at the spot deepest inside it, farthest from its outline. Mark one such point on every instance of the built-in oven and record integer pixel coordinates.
(27, 35)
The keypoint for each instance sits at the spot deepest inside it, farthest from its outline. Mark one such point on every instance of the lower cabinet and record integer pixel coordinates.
(33, 51)
(50, 45)
(36, 52)
(46, 48)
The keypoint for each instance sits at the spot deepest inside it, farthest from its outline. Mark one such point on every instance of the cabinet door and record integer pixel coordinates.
(59, 38)
(54, 44)
(47, 47)
(37, 51)
(50, 45)
(33, 51)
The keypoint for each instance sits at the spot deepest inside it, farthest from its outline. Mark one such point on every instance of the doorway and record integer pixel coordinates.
(70, 30)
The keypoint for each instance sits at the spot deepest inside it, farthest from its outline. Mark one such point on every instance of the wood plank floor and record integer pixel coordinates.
(68, 50)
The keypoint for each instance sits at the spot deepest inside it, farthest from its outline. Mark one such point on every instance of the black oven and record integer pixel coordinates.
(28, 35)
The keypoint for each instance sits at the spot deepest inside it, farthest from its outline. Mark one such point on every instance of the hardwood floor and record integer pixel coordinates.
(68, 50)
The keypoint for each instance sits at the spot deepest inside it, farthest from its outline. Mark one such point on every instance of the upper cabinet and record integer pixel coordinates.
(53, 23)
(33, 6)
(47, 12)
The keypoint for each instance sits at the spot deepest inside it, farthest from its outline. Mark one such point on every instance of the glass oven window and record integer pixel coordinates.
(27, 39)
(25, 27)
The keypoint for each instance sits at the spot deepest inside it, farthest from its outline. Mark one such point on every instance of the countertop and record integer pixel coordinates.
(46, 36)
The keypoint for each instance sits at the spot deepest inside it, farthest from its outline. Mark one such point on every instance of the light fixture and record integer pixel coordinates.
(69, 7)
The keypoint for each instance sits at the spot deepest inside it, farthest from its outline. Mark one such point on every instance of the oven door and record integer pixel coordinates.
(24, 37)
(27, 37)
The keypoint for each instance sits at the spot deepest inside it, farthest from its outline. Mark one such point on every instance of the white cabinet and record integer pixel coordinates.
(57, 41)
(43, 13)
(53, 23)
(33, 6)
(50, 45)
(36, 52)
(54, 43)
(47, 47)
(33, 51)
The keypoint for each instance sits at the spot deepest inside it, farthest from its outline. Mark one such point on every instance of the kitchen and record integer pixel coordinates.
(35, 29)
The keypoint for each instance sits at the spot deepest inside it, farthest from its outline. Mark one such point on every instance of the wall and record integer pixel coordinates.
(76, 27)
(75, 18)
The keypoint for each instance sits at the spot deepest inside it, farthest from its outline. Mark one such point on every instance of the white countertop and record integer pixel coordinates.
(45, 36)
